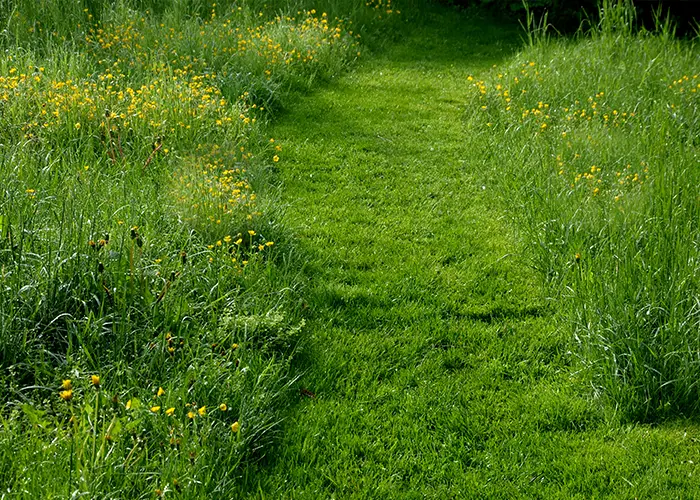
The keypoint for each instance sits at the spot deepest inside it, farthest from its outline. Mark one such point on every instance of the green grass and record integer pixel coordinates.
(441, 367)
(398, 296)
(141, 242)
(596, 140)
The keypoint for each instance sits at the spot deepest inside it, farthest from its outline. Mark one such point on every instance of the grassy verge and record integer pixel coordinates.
(148, 309)
(596, 142)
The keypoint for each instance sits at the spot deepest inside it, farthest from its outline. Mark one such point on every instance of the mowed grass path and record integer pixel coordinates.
(436, 364)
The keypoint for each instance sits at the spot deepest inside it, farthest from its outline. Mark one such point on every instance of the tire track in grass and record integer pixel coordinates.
(436, 368)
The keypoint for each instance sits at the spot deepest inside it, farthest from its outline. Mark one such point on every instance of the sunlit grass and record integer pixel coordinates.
(149, 309)
(596, 142)
(441, 364)
(161, 317)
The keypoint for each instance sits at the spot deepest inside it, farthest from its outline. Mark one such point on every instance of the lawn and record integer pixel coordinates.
(346, 250)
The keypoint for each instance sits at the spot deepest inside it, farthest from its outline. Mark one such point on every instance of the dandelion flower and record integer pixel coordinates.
(275, 158)
(223, 407)
(95, 380)
(190, 415)
(155, 409)
(160, 391)
(170, 412)
(202, 411)
(66, 395)
(235, 427)
(67, 385)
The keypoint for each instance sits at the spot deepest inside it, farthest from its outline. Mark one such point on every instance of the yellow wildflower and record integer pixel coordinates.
(170, 412)
(155, 409)
(235, 427)
(202, 411)
(67, 384)
(66, 395)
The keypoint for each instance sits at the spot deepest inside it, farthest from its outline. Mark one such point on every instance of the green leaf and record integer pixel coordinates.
(4, 225)
(35, 416)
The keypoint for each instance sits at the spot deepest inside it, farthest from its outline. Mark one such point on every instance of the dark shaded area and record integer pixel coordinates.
(497, 313)
(566, 16)
(683, 14)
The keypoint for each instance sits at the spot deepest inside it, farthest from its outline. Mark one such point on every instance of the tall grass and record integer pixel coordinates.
(148, 308)
(597, 140)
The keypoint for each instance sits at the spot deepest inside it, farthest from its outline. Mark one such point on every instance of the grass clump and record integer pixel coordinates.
(148, 308)
(596, 142)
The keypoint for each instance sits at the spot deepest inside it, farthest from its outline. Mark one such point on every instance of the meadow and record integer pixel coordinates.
(301, 249)
(148, 308)
(596, 140)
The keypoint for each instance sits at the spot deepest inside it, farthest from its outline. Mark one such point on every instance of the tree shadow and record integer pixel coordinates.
(443, 36)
